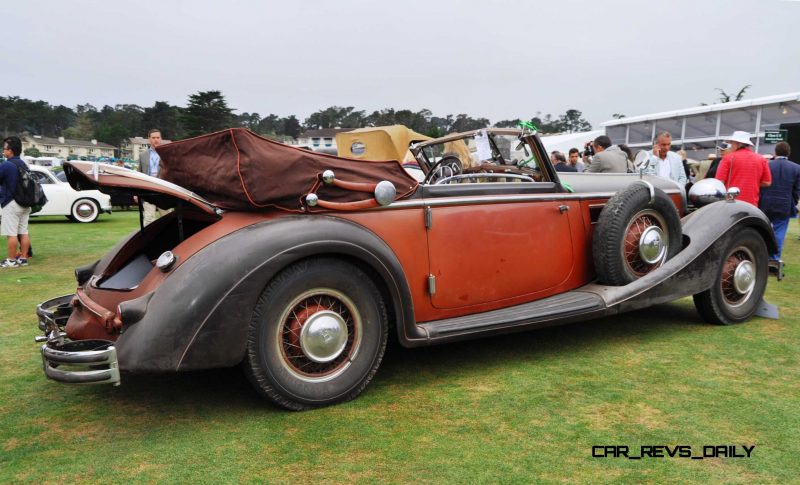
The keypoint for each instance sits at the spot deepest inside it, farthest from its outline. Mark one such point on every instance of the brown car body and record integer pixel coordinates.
(449, 261)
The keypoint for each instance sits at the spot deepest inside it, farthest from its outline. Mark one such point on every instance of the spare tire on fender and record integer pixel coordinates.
(635, 234)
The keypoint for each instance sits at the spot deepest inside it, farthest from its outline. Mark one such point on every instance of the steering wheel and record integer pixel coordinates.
(447, 162)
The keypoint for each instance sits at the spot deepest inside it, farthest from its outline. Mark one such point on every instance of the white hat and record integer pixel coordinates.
(742, 137)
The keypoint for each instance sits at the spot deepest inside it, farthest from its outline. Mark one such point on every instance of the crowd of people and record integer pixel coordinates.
(773, 186)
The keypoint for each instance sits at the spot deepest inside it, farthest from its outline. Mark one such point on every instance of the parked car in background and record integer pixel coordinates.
(298, 265)
(121, 200)
(45, 161)
(63, 200)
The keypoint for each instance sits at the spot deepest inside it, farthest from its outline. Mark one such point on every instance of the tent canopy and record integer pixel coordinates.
(563, 142)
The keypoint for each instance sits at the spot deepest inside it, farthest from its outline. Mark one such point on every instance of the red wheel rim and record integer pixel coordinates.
(297, 314)
(727, 284)
(630, 243)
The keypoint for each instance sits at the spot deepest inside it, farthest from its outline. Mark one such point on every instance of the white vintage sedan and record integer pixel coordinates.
(63, 200)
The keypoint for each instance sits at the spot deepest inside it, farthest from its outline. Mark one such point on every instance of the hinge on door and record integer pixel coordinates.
(428, 218)
(431, 284)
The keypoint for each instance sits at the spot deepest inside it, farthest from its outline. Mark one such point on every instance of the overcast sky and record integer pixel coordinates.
(498, 59)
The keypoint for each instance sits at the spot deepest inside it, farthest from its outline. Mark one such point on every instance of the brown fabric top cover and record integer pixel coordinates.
(237, 169)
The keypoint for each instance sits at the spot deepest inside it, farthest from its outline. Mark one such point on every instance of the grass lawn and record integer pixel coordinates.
(522, 408)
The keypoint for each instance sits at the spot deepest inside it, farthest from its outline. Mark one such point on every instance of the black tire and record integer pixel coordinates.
(627, 217)
(281, 362)
(725, 303)
(84, 210)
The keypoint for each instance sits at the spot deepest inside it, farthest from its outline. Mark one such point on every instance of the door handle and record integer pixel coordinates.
(563, 208)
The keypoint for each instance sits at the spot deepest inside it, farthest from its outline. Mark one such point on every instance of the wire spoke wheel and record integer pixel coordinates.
(737, 279)
(319, 334)
(636, 233)
(644, 246)
(741, 280)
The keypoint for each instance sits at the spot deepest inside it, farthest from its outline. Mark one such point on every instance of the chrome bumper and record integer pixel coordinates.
(53, 314)
(86, 362)
(78, 361)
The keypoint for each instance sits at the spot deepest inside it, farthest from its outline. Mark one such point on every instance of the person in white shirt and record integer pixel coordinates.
(663, 162)
(150, 164)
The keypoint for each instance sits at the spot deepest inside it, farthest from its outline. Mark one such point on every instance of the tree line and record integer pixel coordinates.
(208, 111)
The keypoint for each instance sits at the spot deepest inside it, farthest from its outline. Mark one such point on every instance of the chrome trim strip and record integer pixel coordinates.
(489, 175)
(495, 199)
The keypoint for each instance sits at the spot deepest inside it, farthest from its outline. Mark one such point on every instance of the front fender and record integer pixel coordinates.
(707, 232)
(199, 317)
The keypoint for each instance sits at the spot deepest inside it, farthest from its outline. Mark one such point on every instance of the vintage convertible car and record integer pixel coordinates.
(296, 265)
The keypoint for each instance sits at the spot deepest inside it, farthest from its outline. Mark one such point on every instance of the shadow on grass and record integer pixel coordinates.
(563, 341)
(48, 220)
(227, 390)
(222, 389)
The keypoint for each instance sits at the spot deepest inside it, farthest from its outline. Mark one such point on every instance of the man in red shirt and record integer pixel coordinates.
(743, 168)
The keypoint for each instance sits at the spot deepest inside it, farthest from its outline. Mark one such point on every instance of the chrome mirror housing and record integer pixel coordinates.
(706, 191)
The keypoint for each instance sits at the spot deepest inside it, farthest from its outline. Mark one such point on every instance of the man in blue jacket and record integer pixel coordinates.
(779, 201)
(14, 224)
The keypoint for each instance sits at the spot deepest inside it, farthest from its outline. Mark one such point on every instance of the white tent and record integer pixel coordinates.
(563, 142)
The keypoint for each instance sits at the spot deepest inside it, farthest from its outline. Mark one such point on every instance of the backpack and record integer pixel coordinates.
(29, 192)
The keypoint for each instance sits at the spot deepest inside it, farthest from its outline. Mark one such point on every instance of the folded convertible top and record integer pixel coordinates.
(237, 169)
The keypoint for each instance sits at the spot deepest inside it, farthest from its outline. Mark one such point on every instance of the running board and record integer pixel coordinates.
(540, 313)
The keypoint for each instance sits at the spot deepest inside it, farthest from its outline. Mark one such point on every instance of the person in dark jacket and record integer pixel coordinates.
(560, 163)
(629, 154)
(723, 148)
(779, 200)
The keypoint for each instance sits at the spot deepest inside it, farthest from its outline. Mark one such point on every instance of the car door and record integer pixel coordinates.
(59, 194)
(496, 246)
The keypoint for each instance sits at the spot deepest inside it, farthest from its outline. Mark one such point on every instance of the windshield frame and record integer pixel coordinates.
(533, 147)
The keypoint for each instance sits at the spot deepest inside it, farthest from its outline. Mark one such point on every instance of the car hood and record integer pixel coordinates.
(112, 179)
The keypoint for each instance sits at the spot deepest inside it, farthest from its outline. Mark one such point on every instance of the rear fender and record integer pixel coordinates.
(199, 317)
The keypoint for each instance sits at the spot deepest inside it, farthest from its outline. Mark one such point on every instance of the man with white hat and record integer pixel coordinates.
(743, 168)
